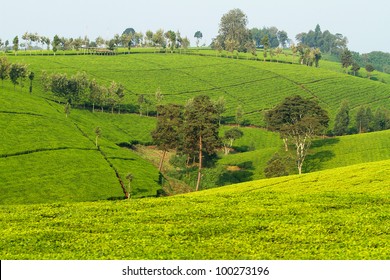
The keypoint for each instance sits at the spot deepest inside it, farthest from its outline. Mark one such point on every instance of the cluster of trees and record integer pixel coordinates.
(325, 41)
(365, 120)
(307, 55)
(192, 130)
(277, 38)
(379, 60)
(79, 89)
(348, 62)
(16, 72)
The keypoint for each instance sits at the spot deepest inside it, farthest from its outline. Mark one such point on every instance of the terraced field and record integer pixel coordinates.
(255, 85)
(45, 157)
(335, 214)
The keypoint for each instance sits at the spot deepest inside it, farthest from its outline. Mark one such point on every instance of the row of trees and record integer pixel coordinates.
(129, 38)
(79, 89)
(16, 72)
(365, 120)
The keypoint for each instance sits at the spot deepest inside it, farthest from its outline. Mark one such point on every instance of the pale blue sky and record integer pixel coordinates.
(365, 23)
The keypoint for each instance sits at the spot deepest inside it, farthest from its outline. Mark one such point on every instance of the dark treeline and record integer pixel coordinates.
(379, 60)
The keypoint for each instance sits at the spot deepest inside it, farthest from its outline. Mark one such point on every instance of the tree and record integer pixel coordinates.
(167, 134)
(4, 69)
(17, 74)
(283, 38)
(171, 37)
(158, 39)
(369, 69)
(355, 68)
(381, 119)
(141, 101)
(149, 38)
(198, 35)
(342, 120)
(55, 43)
(265, 43)
(98, 134)
(229, 137)
(31, 78)
(220, 106)
(232, 28)
(201, 129)
(346, 59)
(185, 43)
(239, 115)
(364, 119)
(16, 44)
(300, 120)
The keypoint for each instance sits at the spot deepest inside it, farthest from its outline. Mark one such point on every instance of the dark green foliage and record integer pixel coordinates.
(300, 120)
(325, 41)
(276, 167)
(167, 134)
(201, 129)
(381, 119)
(369, 69)
(355, 68)
(364, 119)
(342, 120)
(346, 58)
(18, 73)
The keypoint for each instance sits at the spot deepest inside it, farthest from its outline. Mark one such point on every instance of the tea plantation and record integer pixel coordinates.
(334, 214)
(61, 197)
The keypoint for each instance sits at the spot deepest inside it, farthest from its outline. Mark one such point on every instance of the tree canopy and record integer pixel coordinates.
(298, 119)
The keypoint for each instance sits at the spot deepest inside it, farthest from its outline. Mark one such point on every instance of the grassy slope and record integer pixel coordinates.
(45, 157)
(255, 85)
(335, 214)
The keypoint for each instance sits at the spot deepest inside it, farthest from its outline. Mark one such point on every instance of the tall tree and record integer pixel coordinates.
(15, 43)
(167, 134)
(198, 35)
(300, 120)
(364, 119)
(201, 129)
(233, 28)
(342, 120)
(346, 59)
(369, 69)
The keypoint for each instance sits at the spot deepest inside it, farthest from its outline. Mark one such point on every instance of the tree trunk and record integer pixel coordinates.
(285, 144)
(162, 161)
(200, 163)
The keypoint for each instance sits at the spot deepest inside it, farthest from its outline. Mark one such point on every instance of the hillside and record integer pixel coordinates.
(255, 85)
(45, 157)
(335, 214)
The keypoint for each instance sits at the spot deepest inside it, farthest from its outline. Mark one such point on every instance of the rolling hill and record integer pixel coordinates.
(334, 214)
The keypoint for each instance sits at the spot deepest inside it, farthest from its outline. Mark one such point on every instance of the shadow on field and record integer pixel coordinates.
(241, 173)
(314, 162)
(324, 142)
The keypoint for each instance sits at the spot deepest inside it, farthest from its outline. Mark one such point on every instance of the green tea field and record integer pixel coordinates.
(335, 214)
